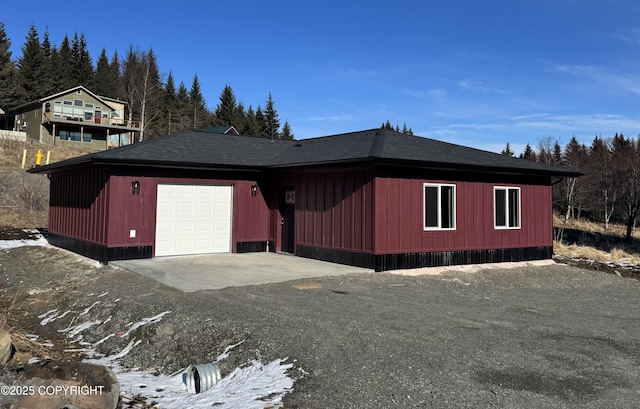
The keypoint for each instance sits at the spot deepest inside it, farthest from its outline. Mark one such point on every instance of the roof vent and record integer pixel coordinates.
(297, 145)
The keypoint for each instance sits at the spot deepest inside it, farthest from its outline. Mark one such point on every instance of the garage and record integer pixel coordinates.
(193, 219)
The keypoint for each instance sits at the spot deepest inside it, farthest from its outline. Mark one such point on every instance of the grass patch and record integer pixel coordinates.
(590, 226)
(11, 153)
(616, 255)
(24, 197)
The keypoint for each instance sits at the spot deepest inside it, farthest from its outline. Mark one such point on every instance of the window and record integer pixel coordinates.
(439, 207)
(78, 102)
(506, 205)
(75, 136)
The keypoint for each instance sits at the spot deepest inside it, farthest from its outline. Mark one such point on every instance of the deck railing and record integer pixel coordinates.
(99, 121)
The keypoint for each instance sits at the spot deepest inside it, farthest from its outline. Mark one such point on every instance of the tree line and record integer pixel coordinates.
(608, 192)
(161, 106)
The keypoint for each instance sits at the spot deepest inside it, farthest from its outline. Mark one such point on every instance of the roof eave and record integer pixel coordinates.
(88, 161)
(175, 165)
(487, 169)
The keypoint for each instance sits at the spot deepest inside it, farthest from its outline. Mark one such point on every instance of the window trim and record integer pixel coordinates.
(506, 213)
(439, 200)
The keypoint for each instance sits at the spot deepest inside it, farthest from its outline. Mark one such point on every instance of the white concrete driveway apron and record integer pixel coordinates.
(215, 271)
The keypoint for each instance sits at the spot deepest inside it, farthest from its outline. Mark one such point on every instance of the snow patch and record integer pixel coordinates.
(77, 329)
(252, 386)
(145, 321)
(86, 310)
(12, 244)
(51, 316)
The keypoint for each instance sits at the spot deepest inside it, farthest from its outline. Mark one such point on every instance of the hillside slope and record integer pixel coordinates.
(24, 197)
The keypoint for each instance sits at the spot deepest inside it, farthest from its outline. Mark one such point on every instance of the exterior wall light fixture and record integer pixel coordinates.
(135, 187)
(254, 190)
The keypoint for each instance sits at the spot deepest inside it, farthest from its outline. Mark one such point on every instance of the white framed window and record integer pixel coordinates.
(439, 206)
(506, 207)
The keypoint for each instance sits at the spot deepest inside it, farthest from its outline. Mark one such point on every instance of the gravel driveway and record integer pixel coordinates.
(540, 337)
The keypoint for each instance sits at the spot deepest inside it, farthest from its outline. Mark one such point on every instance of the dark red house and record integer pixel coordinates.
(375, 198)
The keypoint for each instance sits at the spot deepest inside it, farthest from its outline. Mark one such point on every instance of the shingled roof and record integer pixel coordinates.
(194, 149)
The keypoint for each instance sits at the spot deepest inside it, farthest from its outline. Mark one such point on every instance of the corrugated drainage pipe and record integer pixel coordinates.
(201, 377)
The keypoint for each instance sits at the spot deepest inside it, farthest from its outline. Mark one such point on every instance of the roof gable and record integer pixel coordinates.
(227, 130)
(104, 100)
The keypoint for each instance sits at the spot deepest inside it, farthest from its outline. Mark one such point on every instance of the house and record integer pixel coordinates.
(375, 198)
(226, 130)
(76, 116)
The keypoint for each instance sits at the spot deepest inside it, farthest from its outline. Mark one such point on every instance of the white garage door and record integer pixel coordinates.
(193, 219)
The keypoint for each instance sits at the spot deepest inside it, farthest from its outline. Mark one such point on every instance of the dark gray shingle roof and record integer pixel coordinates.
(202, 149)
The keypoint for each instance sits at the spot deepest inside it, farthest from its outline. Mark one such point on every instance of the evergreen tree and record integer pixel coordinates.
(226, 110)
(105, 82)
(81, 64)
(507, 151)
(7, 72)
(271, 119)
(529, 153)
(239, 117)
(286, 132)
(116, 74)
(556, 156)
(170, 104)
(31, 68)
(405, 130)
(198, 104)
(63, 64)
(183, 114)
(261, 124)
(47, 82)
(251, 125)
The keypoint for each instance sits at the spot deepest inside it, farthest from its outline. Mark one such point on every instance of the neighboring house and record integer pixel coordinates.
(376, 198)
(76, 116)
(7, 134)
(225, 130)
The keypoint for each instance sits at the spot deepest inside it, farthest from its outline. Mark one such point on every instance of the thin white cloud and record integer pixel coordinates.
(355, 72)
(625, 82)
(481, 86)
(629, 35)
(435, 93)
(579, 122)
(329, 118)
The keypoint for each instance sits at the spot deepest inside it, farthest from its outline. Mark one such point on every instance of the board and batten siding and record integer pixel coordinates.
(250, 214)
(399, 215)
(78, 205)
(334, 210)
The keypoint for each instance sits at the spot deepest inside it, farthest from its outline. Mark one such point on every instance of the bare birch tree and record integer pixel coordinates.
(626, 170)
(600, 178)
(575, 158)
(141, 87)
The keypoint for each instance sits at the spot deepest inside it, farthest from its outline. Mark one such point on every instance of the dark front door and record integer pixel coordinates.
(287, 214)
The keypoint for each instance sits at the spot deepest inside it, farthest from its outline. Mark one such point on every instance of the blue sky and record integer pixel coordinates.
(476, 73)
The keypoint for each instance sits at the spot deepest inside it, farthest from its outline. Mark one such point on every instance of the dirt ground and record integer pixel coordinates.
(543, 337)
